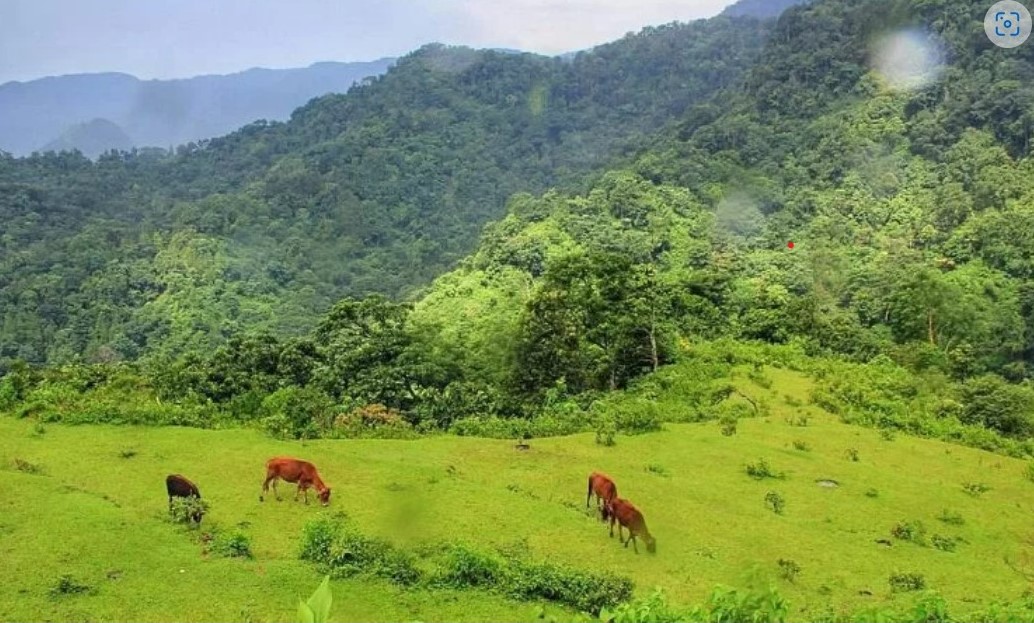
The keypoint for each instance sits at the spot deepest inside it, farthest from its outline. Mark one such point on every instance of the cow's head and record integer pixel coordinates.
(607, 511)
(325, 496)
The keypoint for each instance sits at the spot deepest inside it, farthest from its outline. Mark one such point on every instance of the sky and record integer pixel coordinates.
(181, 38)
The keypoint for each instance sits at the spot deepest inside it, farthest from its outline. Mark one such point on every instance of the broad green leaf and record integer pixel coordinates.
(305, 614)
(321, 600)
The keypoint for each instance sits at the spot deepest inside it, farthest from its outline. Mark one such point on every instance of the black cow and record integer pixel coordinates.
(179, 487)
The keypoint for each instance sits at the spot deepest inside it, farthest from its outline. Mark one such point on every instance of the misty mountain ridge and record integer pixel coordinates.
(43, 113)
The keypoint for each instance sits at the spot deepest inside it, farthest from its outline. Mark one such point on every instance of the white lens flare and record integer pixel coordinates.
(908, 59)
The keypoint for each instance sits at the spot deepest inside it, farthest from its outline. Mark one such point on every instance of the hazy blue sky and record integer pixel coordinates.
(177, 38)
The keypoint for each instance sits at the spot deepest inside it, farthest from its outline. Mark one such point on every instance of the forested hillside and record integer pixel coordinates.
(379, 190)
(908, 208)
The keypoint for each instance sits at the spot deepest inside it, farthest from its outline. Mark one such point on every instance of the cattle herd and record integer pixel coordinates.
(612, 509)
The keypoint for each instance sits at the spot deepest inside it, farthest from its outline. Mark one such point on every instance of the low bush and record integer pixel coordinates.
(903, 582)
(951, 518)
(911, 531)
(788, 570)
(761, 470)
(69, 585)
(975, 489)
(234, 544)
(344, 552)
(372, 421)
(464, 567)
(582, 590)
(775, 502)
(803, 446)
(185, 510)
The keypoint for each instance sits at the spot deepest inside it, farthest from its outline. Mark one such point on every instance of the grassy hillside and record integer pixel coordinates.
(97, 516)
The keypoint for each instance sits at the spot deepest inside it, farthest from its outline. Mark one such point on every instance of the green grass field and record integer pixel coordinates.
(100, 518)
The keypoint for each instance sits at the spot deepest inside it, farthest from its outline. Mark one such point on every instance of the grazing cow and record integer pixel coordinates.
(628, 516)
(605, 491)
(295, 470)
(179, 487)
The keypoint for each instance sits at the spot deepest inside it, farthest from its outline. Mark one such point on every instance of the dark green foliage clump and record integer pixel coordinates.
(344, 551)
(775, 502)
(69, 585)
(788, 569)
(761, 470)
(904, 582)
(912, 531)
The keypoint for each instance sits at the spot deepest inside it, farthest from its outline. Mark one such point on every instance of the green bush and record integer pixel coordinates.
(606, 429)
(912, 531)
(903, 582)
(803, 446)
(184, 510)
(944, 543)
(637, 416)
(344, 551)
(775, 502)
(851, 454)
(952, 518)
(582, 590)
(730, 604)
(233, 544)
(761, 470)
(465, 567)
(652, 609)
(788, 570)
(69, 585)
(975, 489)
(727, 424)
(297, 413)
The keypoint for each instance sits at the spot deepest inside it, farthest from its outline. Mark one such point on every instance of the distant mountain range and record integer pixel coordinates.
(97, 112)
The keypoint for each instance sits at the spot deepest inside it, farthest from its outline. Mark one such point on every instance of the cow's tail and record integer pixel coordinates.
(588, 493)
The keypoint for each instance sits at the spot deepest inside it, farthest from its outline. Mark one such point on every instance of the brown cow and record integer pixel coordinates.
(628, 516)
(295, 470)
(605, 491)
(178, 486)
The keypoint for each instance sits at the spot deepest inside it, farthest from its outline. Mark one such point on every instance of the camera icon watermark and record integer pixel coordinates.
(1007, 24)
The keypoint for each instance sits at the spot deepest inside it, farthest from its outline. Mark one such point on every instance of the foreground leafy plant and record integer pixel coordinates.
(317, 608)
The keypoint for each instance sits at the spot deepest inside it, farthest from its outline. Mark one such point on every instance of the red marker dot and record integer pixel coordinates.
(789, 245)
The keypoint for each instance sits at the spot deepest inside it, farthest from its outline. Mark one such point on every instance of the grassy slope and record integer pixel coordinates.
(93, 512)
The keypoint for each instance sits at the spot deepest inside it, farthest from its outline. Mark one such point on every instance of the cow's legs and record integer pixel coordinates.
(265, 488)
(276, 491)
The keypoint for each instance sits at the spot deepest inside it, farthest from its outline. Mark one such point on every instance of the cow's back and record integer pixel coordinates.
(290, 469)
(178, 486)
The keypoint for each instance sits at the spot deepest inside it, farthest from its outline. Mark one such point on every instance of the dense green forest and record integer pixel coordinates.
(232, 275)
(375, 191)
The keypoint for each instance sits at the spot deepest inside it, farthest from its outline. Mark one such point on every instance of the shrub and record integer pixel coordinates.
(637, 416)
(345, 552)
(1028, 472)
(296, 413)
(803, 446)
(903, 582)
(951, 518)
(68, 585)
(185, 510)
(652, 609)
(992, 402)
(606, 429)
(27, 468)
(730, 604)
(235, 544)
(887, 434)
(761, 470)
(775, 502)
(975, 489)
(464, 567)
(788, 570)
(798, 420)
(374, 420)
(912, 531)
(727, 424)
(757, 375)
(851, 454)
(944, 543)
(582, 590)
(660, 470)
